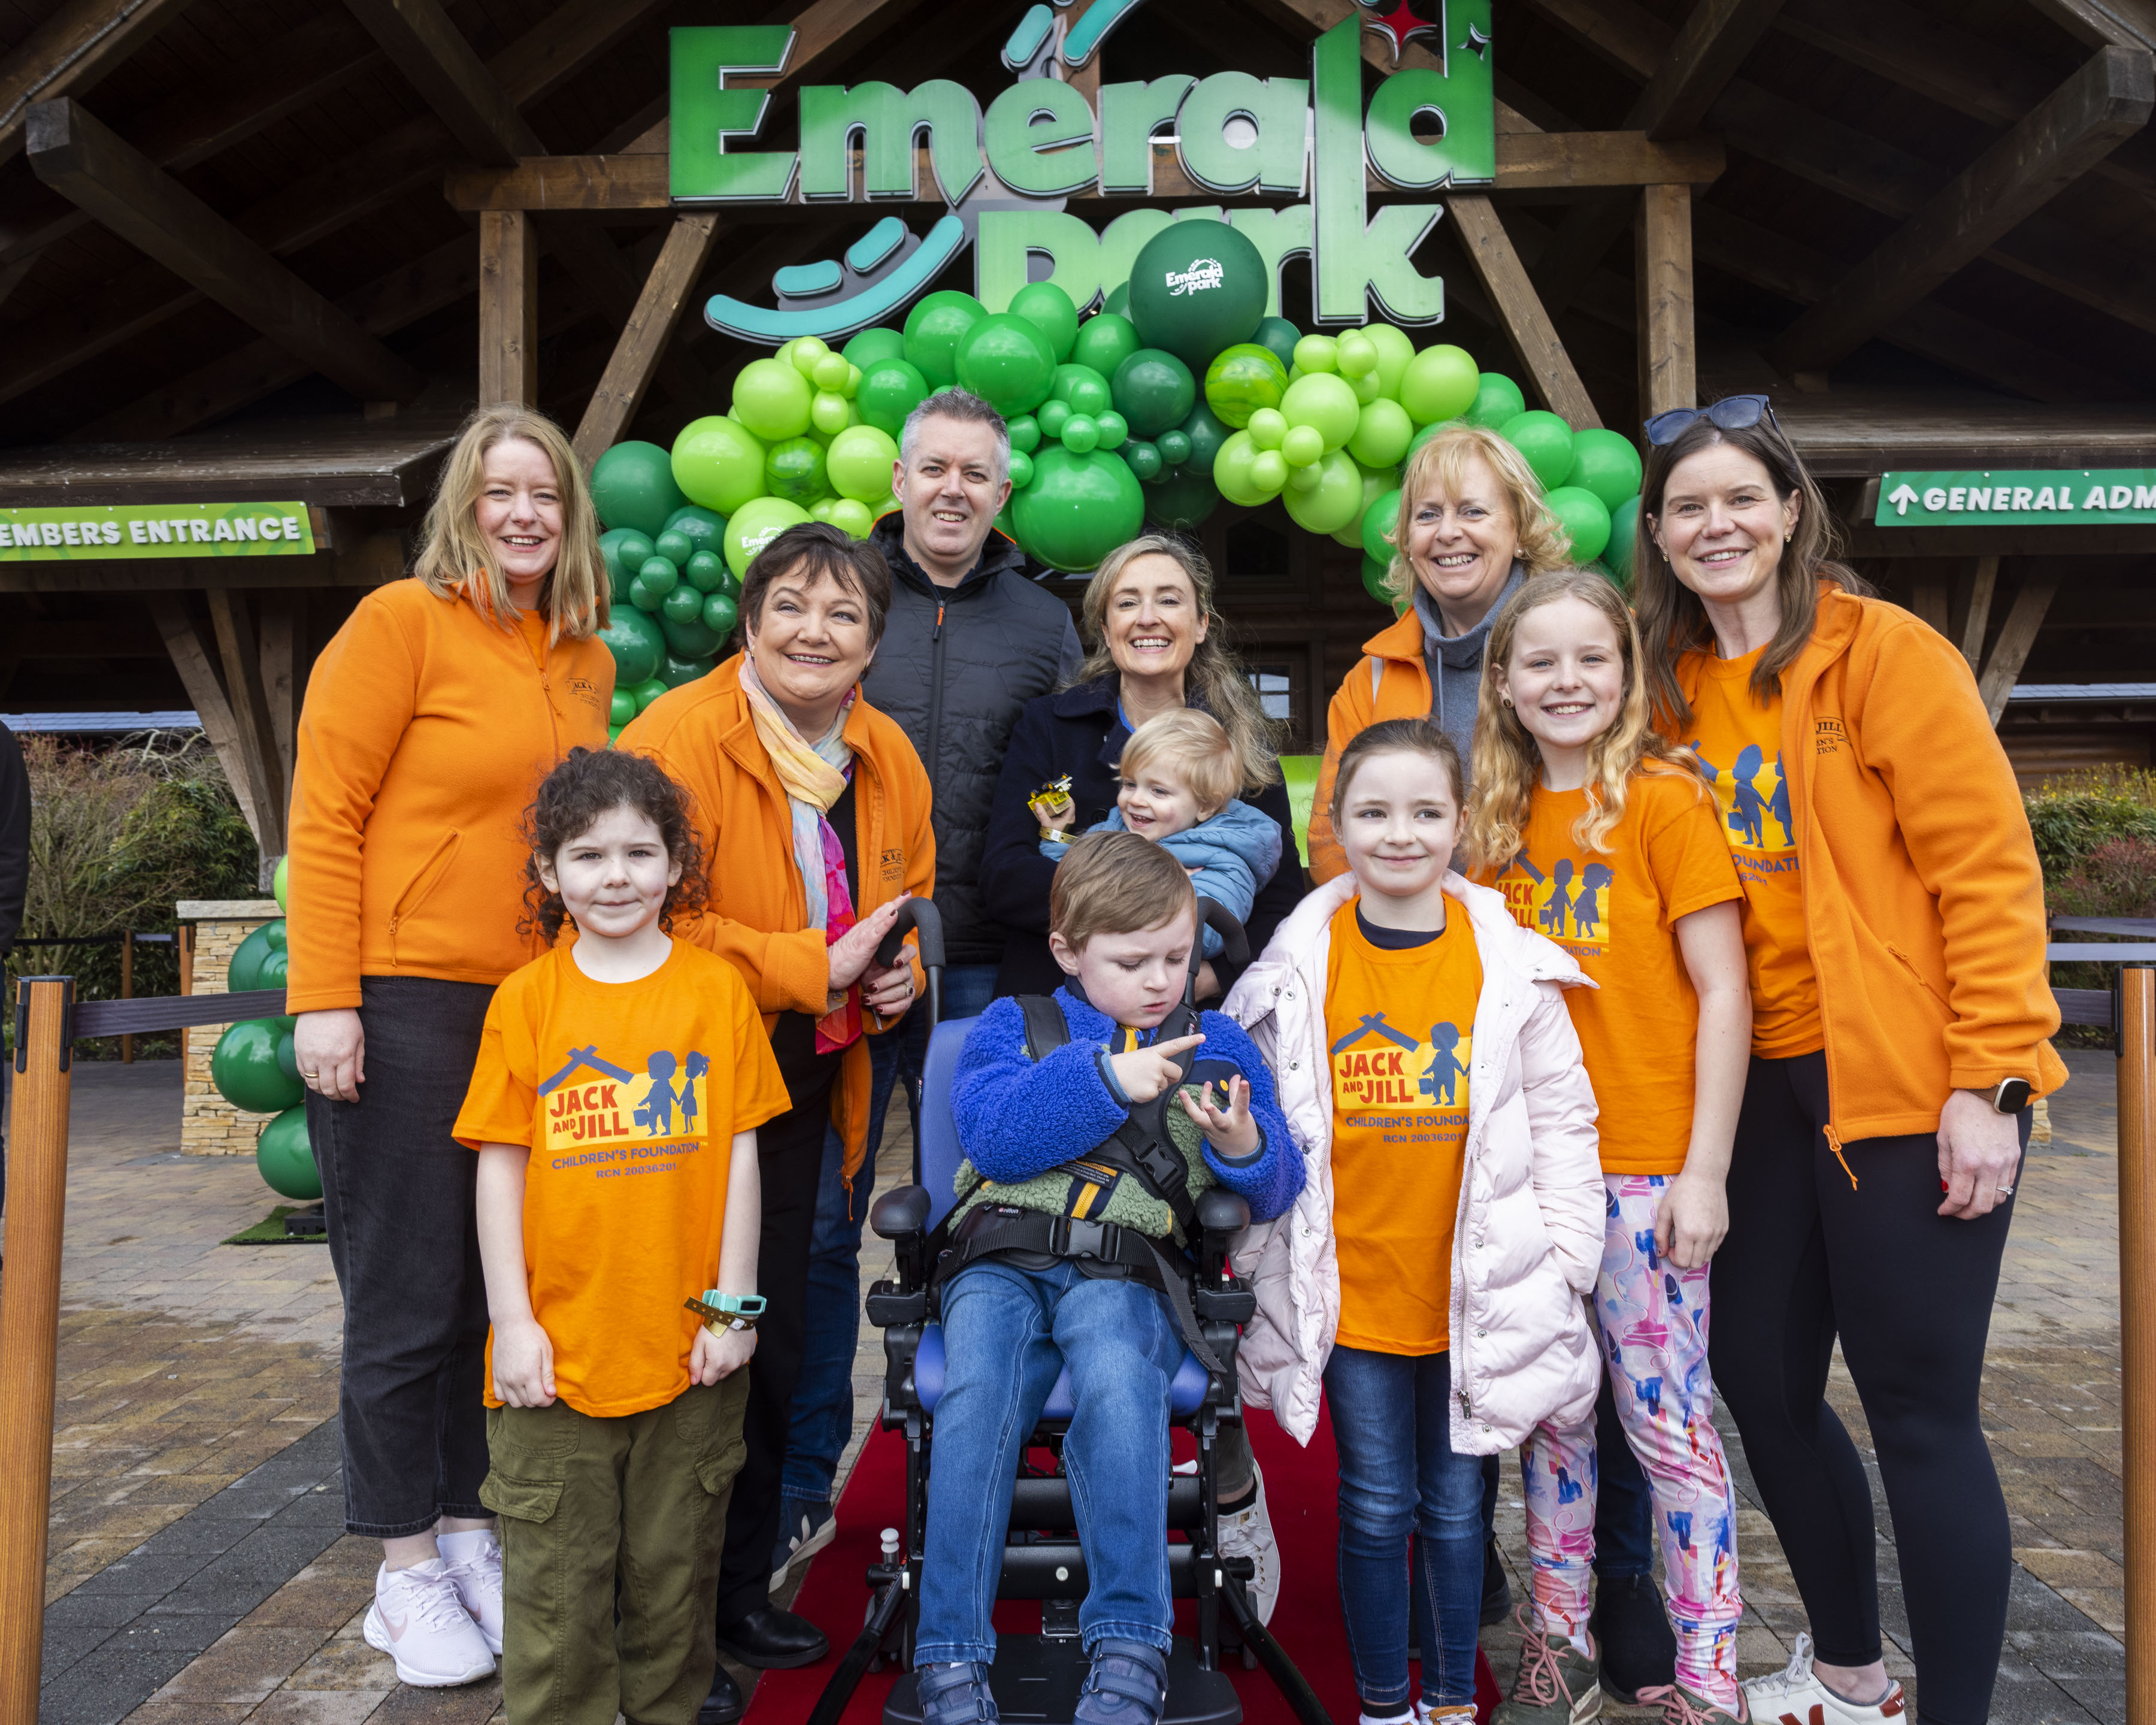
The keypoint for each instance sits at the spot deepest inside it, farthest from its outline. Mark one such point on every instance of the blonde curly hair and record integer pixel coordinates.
(1440, 465)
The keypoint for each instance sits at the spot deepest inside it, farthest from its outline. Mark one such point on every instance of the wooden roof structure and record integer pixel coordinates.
(287, 242)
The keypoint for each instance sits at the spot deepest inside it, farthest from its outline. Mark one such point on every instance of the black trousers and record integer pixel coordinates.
(1810, 1257)
(399, 1200)
(789, 1156)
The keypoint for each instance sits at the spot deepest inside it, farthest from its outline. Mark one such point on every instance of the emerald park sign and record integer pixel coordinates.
(1006, 176)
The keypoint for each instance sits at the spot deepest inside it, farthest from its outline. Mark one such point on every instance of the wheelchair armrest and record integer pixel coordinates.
(1220, 1211)
(900, 1212)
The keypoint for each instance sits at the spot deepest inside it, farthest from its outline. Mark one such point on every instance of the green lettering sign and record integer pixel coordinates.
(77, 532)
(2078, 497)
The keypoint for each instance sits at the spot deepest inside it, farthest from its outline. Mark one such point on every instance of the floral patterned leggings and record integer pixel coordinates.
(1652, 1318)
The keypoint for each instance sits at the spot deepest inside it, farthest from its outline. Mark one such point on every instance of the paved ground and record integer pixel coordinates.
(198, 1572)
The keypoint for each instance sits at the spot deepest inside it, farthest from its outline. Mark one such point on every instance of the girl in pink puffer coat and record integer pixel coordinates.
(1429, 1280)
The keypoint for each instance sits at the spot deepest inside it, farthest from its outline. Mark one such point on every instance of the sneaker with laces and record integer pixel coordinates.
(1249, 1533)
(806, 1524)
(956, 1694)
(1794, 1696)
(1126, 1686)
(419, 1620)
(1557, 1684)
(474, 1563)
(1681, 1705)
(1461, 1714)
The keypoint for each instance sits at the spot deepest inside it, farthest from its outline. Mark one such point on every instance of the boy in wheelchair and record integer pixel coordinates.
(1089, 1130)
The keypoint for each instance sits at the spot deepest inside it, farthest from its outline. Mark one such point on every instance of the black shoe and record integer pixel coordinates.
(1496, 1588)
(724, 1705)
(1631, 1626)
(771, 1640)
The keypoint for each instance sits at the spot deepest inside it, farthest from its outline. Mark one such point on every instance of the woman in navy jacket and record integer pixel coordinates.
(1152, 647)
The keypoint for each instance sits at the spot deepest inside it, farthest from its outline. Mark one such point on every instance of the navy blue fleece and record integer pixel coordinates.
(1019, 1117)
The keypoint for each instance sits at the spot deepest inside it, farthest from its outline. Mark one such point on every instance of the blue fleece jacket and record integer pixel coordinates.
(1018, 1117)
(1237, 849)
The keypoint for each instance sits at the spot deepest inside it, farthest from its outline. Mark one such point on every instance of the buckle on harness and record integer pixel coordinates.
(1068, 1237)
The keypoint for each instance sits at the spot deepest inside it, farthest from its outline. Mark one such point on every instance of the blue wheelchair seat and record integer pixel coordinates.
(940, 1153)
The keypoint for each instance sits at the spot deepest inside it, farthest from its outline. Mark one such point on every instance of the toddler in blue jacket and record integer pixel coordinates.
(1180, 777)
(1122, 917)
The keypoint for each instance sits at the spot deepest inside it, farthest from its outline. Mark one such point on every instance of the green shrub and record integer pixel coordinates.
(2073, 814)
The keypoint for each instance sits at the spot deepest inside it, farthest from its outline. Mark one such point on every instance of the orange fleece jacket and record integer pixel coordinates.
(757, 915)
(426, 730)
(1923, 899)
(1395, 665)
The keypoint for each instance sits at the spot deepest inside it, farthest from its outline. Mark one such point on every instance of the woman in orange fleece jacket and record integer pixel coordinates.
(813, 808)
(1894, 932)
(430, 719)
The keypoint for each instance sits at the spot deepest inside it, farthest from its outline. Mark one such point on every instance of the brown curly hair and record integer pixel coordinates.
(576, 796)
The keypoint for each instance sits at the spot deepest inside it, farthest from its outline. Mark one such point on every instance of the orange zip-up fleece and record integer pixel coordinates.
(1395, 665)
(426, 730)
(1923, 900)
(757, 915)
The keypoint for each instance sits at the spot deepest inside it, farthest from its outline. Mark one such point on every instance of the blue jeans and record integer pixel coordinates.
(1625, 1509)
(1007, 1333)
(1392, 1430)
(824, 1399)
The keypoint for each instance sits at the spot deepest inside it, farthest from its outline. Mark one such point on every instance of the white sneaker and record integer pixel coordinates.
(1794, 1696)
(1249, 1533)
(473, 1562)
(417, 1620)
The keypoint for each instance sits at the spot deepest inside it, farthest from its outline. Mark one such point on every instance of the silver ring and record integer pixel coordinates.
(2003, 1191)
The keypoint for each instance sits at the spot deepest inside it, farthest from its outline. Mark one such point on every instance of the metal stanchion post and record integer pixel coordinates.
(127, 991)
(29, 1327)
(2137, 1325)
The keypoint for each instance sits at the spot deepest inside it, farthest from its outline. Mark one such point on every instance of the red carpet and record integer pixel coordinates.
(1302, 1489)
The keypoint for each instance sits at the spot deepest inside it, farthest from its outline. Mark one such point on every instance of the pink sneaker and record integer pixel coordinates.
(419, 1620)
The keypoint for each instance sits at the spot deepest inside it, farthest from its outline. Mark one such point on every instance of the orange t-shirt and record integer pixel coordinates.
(1616, 911)
(629, 1095)
(1400, 1025)
(1739, 745)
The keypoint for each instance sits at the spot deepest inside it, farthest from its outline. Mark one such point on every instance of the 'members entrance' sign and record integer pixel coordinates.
(1006, 175)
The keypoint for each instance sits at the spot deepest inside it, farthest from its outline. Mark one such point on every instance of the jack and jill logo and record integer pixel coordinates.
(1568, 901)
(1752, 794)
(616, 1120)
(1407, 1078)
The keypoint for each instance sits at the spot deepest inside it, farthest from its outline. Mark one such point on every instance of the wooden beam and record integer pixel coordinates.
(78, 157)
(1983, 584)
(666, 291)
(1929, 598)
(280, 610)
(508, 308)
(1661, 271)
(74, 47)
(238, 651)
(2016, 636)
(1717, 37)
(1504, 277)
(2111, 97)
(433, 54)
(198, 675)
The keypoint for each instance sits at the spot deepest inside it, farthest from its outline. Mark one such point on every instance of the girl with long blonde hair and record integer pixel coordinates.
(1601, 836)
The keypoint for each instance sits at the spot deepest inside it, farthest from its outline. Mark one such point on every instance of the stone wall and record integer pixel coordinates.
(210, 1126)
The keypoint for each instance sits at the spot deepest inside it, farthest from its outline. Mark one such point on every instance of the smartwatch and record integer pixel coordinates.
(728, 1311)
(2012, 1096)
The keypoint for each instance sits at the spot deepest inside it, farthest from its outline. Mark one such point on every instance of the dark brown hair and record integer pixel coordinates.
(576, 796)
(1672, 621)
(1116, 883)
(1396, 736)
(820, 551)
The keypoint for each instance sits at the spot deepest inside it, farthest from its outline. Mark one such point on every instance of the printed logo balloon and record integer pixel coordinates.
(1197, 287)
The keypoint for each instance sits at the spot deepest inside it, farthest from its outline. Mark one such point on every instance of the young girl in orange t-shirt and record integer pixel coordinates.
(614, 1107)
(1603, 837)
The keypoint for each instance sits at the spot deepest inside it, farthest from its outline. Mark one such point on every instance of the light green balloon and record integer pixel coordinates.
(1323, 399)
(718, 463)
(858, 463)
(1332, 502)
(1383, 432)
(1439, 383)
(774, 400)
(1395, 353)
(869, 346)
(1231, 471)
(754, 525)
(277, 881)
(852, 514)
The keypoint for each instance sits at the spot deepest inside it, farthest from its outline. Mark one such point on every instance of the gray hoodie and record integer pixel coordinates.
(1455, 663)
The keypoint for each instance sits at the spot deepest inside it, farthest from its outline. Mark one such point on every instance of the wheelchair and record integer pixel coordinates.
(1039, 1677)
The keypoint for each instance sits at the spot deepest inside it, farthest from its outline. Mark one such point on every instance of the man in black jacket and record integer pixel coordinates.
(14, 886)
(970, 638)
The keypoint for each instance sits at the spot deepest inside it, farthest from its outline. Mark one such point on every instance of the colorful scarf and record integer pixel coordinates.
(815, 776)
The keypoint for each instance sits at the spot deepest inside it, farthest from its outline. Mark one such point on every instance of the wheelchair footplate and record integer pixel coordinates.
(1036, 1679)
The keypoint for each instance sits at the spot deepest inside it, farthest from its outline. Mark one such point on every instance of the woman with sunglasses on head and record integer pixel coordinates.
(1894, 934)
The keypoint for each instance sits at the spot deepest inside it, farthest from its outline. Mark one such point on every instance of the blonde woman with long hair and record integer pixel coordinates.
(1472, 527)
(430, 718)
(1603, 837)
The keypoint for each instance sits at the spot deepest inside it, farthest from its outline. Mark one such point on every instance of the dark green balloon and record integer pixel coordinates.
(1141, 458)
(1373, 579)
(686, 637)
(633, 486)
(1105, 342)
(675, 547)
(243, 1067)
(621, 709)
(1118, 301)
(1008, 361)
(676, 671)
(1082, 389)
(1497, 400)
(1154, 391)
(684, 605)
(1197, 287)
(706, 572)
(869, 346)
(649, 689)
(1623, 541)
(703, 528)
(722, 612)
(624, 550)
(1078, 508)
(793, 469)
(244, 972)
(1174, 446)
(647, 598)
(285, 1159)
(1181, 496)
(932, 330)
(1047, 306)
(1281, 335)
(890, 389)
(1206, 435)
(637, 644)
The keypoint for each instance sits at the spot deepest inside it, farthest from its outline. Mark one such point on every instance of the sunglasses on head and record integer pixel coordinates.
(1732, 412)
